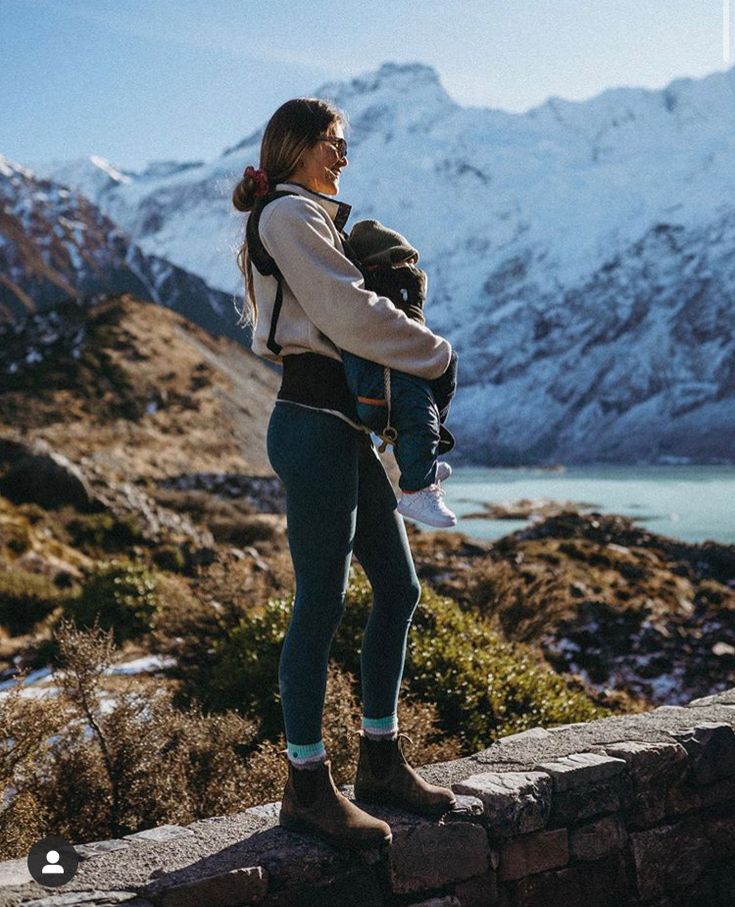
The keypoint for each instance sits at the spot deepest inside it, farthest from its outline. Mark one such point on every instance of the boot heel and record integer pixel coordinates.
(384, 777)
(329, 815)
(335, 840)
(293, 824)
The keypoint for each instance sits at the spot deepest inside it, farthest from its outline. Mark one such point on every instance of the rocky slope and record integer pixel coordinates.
(137, 389)
(56, 244)
(628, 610)
(579, 254)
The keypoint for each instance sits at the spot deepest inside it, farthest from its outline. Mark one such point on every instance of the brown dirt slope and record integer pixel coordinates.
(136, 387)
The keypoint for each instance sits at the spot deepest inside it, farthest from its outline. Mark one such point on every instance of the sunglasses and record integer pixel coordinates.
(339, 145)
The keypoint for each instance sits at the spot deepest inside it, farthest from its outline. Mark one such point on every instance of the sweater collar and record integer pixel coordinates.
(337, 210)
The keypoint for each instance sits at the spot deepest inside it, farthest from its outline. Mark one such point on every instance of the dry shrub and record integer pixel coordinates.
(267, 772)
(242, 531)
(25, 726)
(202, 506)
(88, 766)
(421, 721)
(519, 602)
(22, 823)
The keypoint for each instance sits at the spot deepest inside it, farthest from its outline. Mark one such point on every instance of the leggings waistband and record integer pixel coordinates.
(319, 381)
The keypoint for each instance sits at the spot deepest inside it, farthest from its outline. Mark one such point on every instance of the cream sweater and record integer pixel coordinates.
(325, 304)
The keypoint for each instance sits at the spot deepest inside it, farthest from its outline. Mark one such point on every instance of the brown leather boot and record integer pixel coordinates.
(312, 804)
(384, 776)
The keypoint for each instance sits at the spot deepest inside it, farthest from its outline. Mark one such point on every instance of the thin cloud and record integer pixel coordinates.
(206, 36)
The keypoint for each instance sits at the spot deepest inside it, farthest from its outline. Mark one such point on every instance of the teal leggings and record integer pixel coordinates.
(338, 502)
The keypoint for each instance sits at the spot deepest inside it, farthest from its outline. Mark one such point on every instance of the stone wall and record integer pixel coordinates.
(630, 810)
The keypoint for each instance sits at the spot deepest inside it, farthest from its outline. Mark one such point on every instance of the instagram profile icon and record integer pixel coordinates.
(52, 861)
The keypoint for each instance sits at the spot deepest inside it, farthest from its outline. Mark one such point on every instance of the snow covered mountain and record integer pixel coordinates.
(55, 244)
(579, 255)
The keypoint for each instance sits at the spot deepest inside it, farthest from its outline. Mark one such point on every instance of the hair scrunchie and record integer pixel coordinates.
(260, 178)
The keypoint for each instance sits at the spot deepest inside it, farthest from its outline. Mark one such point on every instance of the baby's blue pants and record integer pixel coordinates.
(414, 414)
(338, 502)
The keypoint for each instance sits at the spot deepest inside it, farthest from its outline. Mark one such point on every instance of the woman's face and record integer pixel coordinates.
(321, 164)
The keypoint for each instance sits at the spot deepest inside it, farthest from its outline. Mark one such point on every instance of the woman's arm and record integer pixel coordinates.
(300, 237)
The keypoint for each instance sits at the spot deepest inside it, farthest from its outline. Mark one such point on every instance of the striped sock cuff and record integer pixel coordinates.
(381, 727)
(301, 753)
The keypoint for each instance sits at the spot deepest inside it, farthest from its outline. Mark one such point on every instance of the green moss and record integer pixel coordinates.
(26, 598)
(122, 595)
(105, 531)
(170, 557)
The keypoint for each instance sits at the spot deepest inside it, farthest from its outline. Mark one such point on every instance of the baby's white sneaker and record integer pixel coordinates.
(443, 471)
(427, 506)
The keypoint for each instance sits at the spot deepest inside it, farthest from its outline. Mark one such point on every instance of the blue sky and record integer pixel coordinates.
(140, 80)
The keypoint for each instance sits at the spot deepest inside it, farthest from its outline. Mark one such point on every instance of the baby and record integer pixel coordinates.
(415, 407)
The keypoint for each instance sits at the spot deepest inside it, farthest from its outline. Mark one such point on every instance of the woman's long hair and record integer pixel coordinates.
(293, 128)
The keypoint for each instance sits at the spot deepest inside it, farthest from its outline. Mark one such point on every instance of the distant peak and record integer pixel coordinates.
(391, 82)
(8, 168)
(399, 75)
(413, 71)
(159, 169)
(110, 169)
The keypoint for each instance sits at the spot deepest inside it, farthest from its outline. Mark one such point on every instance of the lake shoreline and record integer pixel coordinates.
(683, 501)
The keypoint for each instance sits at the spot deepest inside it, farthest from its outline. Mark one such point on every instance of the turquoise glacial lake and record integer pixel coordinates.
(692, 503)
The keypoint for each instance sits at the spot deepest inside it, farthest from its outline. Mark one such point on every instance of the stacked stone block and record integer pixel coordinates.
(625, 811)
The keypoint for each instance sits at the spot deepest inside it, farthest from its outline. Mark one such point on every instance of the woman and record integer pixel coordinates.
(307, 300)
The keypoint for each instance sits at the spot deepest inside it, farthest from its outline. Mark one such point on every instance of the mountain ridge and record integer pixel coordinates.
(55, 244)
(525, 222)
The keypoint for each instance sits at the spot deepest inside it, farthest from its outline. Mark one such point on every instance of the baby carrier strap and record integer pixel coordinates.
(264, 262)
(388, 435)
(350, 253)
(266, 265)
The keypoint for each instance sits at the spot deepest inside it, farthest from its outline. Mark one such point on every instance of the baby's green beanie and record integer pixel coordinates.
(375, 244)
